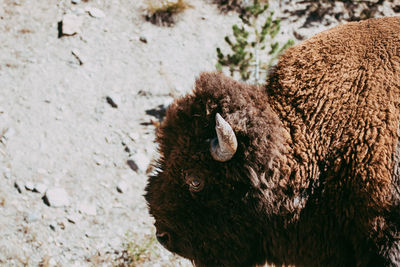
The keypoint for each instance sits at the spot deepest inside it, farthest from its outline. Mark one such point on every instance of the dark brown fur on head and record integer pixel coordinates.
(212, 226)
(315, 180)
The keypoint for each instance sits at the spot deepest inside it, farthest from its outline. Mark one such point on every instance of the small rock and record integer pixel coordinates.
(127, 149)
(29, 186)
(143, 39)
(132, 165)
(95, 12)
(78, 56)
(298, 36)
(70, 24)
(113, 100)
(53, 225)
(7, 135)
(31, 217)
(105, 184)
(99, 160)
(122, 187)
(56, 197)
(74, 218)
(134, 136)
(75, 2)
(18, 186)
(78, 11)
(141, 160)
(40, 188)
(92, 234)
(87, 208)
(7, 173)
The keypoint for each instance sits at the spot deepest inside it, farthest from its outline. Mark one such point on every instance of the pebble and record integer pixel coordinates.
(40, 188)
(30, 217)
(141, 160)
(134, 136)
(7, 173)
(143, 39)
(77, 54)
(53, 225)
(75, 2)
(113, 100)
(132, 165)
(71, 24)
(99, 160)
(104, 184)
(74, 218)
(7, 135)
(56, 197)
(78, 11)
(88, 208)
(29, 186)
(95, 12)
(10, 132)
(18, 186)
(122, 187)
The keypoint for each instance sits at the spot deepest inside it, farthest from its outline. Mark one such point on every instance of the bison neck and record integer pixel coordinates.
(342, 115)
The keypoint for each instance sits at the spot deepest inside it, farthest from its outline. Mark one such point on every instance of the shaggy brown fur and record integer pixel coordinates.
(315, 180)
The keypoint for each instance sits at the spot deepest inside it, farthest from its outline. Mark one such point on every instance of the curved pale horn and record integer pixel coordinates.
(224, 146)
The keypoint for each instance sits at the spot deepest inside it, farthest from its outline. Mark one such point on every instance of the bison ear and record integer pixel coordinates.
(224, 146)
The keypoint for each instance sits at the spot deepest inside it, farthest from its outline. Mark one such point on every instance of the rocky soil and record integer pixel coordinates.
(78, 114)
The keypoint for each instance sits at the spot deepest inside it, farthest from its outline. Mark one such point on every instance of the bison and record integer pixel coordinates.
(304, 170)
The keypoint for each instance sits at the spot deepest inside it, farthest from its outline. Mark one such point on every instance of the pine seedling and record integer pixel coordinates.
(250, 40)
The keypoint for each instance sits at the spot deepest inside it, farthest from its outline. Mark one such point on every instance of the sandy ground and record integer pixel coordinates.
(58, 129)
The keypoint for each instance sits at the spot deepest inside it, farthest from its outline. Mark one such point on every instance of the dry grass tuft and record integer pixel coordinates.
(162, 12)
(138, 250)
(25, 31)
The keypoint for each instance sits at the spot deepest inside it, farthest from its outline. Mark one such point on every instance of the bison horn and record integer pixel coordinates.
(224, 147)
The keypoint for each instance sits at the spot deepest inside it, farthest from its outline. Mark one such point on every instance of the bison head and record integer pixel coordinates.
(205, 196)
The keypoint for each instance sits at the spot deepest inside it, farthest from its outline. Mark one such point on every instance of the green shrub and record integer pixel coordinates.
(250, 40)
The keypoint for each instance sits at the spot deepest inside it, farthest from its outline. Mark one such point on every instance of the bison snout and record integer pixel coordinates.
(163, 238)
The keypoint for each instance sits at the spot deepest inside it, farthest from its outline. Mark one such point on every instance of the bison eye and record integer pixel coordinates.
(195, 184)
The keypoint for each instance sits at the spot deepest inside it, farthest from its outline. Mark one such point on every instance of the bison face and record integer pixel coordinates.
(201, 197)
(203, 220)
(199, 201)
